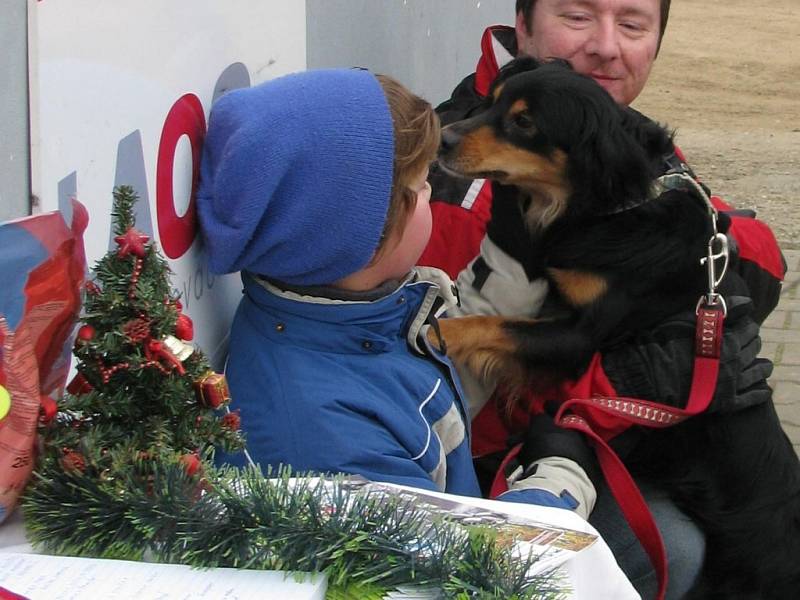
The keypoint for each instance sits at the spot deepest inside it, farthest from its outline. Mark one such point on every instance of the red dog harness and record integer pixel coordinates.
(590, 415)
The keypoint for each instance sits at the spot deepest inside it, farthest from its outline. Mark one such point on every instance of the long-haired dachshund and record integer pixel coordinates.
(623, 257)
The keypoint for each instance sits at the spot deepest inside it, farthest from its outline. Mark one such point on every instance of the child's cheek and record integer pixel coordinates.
(420, 225)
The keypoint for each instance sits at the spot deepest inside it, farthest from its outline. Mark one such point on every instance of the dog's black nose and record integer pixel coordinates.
(450, 139)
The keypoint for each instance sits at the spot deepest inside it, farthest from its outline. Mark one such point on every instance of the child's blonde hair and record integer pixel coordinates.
(416, 140)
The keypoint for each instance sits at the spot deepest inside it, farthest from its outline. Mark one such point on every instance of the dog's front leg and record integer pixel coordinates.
(517, 353)
(481, 345)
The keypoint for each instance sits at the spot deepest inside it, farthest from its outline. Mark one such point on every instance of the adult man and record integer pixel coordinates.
(615, 42)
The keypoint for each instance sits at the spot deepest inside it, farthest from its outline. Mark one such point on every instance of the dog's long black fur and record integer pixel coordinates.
(582, 169)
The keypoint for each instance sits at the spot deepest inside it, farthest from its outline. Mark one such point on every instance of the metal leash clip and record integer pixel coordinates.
(717, 249)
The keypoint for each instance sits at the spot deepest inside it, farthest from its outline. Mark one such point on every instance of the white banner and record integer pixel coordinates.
(120, 94)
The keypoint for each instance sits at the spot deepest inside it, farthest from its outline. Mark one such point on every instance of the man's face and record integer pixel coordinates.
(612, 41)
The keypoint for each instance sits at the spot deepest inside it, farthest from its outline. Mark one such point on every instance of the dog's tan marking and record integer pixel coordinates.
(542, 177)
(578, 287)
(482, 151)
(497, 91)
(482, 345)
(519, 106)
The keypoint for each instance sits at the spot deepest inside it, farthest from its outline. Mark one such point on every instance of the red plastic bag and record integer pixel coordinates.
(42, 271)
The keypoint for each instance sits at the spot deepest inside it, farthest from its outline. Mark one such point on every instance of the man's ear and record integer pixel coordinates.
(521, 25)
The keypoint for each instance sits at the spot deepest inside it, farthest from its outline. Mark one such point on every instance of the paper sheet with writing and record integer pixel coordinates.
(39, 577)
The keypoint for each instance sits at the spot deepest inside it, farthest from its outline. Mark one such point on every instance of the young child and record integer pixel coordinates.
(314, 186)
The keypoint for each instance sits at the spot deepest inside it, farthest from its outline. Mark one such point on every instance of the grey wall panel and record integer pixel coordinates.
(429, 45)
(14, 156)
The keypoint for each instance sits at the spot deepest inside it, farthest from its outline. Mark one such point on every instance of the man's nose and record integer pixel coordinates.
(604, 40)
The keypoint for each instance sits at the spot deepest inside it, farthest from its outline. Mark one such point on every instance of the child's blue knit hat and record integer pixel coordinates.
(296, 176)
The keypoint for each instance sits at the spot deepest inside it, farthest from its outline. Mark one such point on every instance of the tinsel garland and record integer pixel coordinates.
(364, 543)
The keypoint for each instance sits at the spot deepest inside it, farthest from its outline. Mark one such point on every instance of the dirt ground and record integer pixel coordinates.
(728, 80)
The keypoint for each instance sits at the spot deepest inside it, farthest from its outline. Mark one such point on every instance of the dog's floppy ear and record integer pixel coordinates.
(514, 67)
(656, 139)
(615, 162)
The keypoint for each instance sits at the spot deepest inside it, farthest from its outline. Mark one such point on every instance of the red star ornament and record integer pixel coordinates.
(132, 242)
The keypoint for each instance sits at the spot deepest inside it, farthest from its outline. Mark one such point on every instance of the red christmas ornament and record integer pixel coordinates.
(131, 242)
(184, 328)
(232, 421)
(191, 463)
(47, 409)
(157, 350)
(178, 305)
(86, 333)
(73, 461)
(212, 390)
(79, 385)
(92, 288)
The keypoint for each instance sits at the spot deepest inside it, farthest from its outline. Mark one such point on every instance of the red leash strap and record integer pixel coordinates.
(499, 483)
(708, 345)
(6, 594)
(629, 498)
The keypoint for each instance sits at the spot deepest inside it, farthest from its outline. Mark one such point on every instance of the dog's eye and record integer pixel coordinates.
(523, 120)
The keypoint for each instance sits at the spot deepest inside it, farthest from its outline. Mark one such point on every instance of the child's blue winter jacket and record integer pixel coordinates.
(334, 386)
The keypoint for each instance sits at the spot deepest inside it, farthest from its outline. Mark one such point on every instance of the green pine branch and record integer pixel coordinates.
(362, 542)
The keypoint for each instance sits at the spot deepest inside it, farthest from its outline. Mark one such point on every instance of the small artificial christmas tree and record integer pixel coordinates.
(143, 398)
(125, 466)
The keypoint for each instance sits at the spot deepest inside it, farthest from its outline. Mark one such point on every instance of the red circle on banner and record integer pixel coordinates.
(186, 117)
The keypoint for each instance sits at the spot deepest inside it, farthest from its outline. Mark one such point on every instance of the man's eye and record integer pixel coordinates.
(632, 26)
(576, 17)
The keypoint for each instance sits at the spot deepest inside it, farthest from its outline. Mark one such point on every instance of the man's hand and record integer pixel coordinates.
(545, 439)
(657, 365)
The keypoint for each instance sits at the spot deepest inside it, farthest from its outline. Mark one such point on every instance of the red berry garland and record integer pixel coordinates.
(137, 270)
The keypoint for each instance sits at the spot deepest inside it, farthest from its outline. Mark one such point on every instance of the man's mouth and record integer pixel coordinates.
(601, 77)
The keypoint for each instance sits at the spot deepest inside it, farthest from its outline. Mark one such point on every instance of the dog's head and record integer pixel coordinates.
(561, 139)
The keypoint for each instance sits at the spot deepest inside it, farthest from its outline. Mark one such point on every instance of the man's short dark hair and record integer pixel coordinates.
(526, 8)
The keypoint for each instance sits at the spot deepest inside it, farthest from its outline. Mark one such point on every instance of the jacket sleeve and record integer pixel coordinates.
(758, 259)
(494, 283)
(555, 481)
